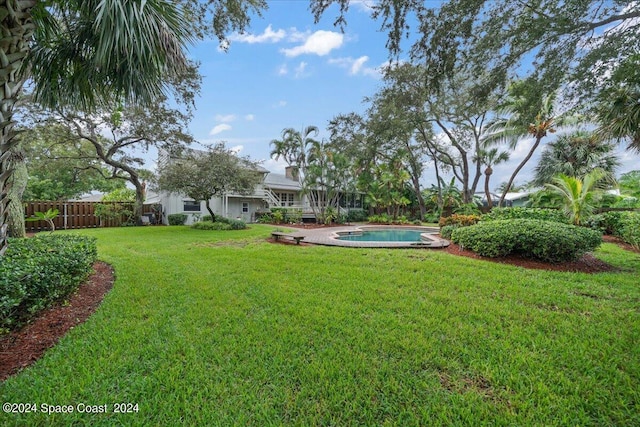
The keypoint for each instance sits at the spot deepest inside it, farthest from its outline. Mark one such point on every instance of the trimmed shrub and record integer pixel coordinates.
(544, 240)
(630, 231)
(459, 220)
(526, 213)
(36, 272)
(208, 225)
(445, 231)
(177, 219)
(237, 224)
(611, 222)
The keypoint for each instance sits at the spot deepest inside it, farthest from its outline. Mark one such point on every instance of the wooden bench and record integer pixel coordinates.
(291, 236)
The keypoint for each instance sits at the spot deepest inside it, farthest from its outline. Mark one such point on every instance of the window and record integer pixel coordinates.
(245, 207)
(286, 199)
(191, 206)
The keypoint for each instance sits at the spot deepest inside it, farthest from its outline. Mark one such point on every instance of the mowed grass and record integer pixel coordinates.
(223, 328)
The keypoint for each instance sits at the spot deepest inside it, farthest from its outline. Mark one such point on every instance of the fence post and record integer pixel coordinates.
(65, 215)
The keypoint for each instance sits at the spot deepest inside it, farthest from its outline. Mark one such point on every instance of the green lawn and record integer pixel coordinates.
(223, 328)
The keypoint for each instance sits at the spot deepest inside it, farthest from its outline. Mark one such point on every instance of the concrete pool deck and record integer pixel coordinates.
(329, 236)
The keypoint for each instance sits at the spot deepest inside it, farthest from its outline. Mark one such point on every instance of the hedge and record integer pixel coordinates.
(177, 219)
(555, 215)
(36, 272)
(537, 239)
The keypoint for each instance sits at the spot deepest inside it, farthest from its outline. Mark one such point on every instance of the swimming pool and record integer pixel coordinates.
(385, 235)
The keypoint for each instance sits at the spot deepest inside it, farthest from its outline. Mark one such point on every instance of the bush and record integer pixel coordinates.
(177, 219)
(380, 219)
(237, 224)
(293, 216)
(36, 272)
(544, 240)
(526, 213)
(630, 231)
(119, 213)
(445, 232)
(356, 215)
(459, 220)
(265, 219)
(208, 225)
(467, 209)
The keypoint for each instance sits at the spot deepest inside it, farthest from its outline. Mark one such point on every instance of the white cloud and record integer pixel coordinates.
(319, 43)
(280, 104)
(296, 36)
(225, 118)
(249, 117)
(300, 70)
(283, 70)
(267, 36)
(276, 166)
(220, 128)
(357, 66)
(364, 5)
(236, 149)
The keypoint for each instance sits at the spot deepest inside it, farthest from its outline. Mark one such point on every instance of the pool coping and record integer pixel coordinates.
(329, 237)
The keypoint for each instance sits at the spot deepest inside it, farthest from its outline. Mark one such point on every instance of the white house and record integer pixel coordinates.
(275, 190)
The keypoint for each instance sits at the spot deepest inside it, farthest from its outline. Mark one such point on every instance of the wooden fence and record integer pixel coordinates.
(74, 215)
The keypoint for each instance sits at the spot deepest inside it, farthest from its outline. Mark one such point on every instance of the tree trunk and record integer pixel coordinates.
(517, 170)
(137, 206)
(416, 188)
(207, 204)
(17, 28)
(488, 173)
(18, 183)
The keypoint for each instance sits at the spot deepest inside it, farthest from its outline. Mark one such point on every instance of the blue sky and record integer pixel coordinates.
(286, 71)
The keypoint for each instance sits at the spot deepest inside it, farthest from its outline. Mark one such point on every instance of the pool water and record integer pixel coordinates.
(384, 236)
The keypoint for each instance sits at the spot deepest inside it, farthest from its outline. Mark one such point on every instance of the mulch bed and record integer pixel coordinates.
(587, 264)
(23, 347)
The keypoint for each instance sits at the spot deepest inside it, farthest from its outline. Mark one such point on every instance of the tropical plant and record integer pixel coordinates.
(629, 183)
(323, 173)
(47, 216)
(491, 157)
(446, 195)
(618, 112)
(513, 123)
(578, 194)
(576, 154)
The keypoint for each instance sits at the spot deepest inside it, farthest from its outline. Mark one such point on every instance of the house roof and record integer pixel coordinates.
(281, 182)
(517, 196)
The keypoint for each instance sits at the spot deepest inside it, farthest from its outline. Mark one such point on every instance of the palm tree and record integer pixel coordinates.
(576, 154)
(491, 157)
(514, 124)
(578, 194)
(620, 117)
(82, 53)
